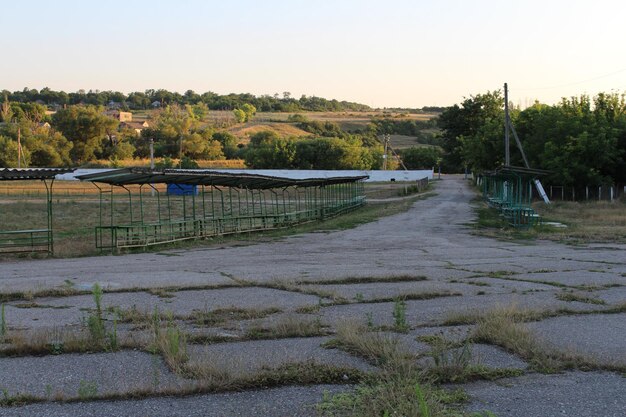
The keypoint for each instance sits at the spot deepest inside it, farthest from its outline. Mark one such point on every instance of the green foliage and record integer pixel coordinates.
(8, 152)
(95, 322)
(467, 120)
(297, 118)
(188, 163)
(87, 390)
(228, 141)
(421, 400)
(245, 113)
(271, 153)
(325, 129)
(581, 140)
(268, 150)
(386, 125)
(399, 316)
(144, 100)
(240, 115)
(164, 163)
(3, 322)
(86, 127)
(424, 157)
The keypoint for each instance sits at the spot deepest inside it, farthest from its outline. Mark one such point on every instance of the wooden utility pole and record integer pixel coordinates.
(507, 123)
(385, 145)
(19, 148)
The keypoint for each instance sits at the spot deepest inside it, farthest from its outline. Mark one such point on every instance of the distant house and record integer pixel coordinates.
(156, 104)
(122, 116)
(45, 125)
(136, 126)
(114, 105)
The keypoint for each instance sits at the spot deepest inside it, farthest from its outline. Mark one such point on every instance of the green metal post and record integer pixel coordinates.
(141, 203)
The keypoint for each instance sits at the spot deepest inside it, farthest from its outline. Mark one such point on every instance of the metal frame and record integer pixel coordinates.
(239, 203)
(509, 189)
(31, 240)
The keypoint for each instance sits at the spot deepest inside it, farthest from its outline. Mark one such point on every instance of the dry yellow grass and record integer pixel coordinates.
(599, 221)
(243, 132)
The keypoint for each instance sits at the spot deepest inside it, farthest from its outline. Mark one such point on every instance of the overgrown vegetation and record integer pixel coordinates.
(400, 387)
(583, 222)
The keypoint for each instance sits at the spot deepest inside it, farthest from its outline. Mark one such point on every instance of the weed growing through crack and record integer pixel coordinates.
(87, 390)
(172, 344)
(571, 296)
(3, 322)
(399, 316)
(95, 322)
(398, 389)
(503, 327)
(288, 326)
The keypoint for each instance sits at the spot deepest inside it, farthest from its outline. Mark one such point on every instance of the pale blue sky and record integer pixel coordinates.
(382, 53)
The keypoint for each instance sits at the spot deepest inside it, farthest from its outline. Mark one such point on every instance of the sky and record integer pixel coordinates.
(393, 53)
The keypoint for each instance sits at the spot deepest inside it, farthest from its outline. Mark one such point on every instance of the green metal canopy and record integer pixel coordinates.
(17, 174)
(128, 176)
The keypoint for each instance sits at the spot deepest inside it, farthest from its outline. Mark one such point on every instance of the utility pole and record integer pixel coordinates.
(151, 153)
(507, 155)
(19, 148)
(386, 145)
(152, 163)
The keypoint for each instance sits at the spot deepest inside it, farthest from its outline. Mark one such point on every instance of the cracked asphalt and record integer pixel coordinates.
(430, 240)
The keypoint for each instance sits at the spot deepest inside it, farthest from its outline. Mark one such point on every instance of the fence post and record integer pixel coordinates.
(573, 194)
(586, 192)
(563, 193)
(611, 193)
(599, 193)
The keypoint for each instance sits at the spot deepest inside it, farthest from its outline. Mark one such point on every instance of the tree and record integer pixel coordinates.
(272, 152)
(228, 142)
(86, 127)
(244, 113)
(6, 113)
(240, 115)
(8, 153)
(424, 157)
(466, 121)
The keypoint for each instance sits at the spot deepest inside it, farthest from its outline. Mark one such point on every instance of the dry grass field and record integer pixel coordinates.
(586, 222)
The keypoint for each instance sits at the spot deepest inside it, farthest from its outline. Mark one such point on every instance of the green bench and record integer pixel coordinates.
(17, 241)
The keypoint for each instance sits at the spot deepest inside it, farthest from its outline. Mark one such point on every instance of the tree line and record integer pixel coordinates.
(152, 98)
(580, 140)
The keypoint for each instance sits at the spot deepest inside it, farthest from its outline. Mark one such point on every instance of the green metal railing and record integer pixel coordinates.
(511, 194)
(150, 218)
(31, 240)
